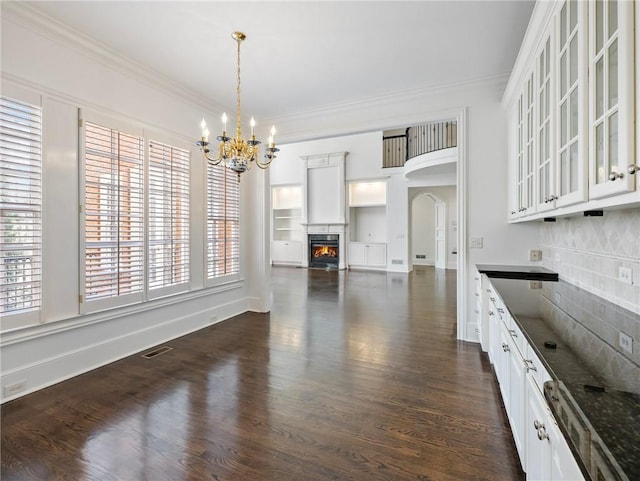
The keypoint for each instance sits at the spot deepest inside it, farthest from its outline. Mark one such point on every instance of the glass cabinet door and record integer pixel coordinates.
(611, 97)
(545, 166)
(570, 103)
(525, 148)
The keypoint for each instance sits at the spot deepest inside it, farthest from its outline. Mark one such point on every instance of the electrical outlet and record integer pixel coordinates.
(624, 275)
(626, 342)
(535, 284)
(15, 388)
(476, 242)
(535, 255)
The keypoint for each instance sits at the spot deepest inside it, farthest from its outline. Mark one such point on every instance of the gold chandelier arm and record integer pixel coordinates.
(212, 161)
(263, 166)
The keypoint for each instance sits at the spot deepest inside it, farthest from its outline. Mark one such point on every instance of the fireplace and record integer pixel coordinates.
(324, 250)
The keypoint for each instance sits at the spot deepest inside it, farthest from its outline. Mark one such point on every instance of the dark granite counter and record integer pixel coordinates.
(595, 391)
(531, 273)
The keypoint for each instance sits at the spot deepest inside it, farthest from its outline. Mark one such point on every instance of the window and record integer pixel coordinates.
(114, 214)
(168, 216)
(20, 206)
(223, 222)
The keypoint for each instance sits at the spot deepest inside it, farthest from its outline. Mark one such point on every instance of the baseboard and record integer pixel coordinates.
(66, 364)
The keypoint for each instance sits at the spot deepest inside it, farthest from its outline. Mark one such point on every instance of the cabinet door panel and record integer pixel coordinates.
(611, 97)
(538, 466)
(570, 104)
(376, 254)
(357, 254)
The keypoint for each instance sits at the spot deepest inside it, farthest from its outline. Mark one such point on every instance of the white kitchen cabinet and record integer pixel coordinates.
(547, 192)
(367, 255)
(524, 171)
(517, 393)
(549, 457)
(544, 452)
(611, 96)
(584, 142)
(570, 107)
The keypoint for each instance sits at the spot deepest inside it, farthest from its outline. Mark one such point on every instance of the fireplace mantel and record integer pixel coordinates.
(324, 199)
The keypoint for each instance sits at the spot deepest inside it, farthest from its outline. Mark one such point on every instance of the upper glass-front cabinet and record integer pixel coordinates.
(611, 99)
(547, 192)
(571, 103)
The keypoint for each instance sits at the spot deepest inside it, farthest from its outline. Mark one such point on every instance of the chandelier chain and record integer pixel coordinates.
(238, 126)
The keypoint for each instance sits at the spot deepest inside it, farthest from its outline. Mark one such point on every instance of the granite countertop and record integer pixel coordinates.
(606, 408)
(531, 273)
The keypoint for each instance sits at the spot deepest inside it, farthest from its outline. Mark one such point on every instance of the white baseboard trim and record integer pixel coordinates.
(65, 365)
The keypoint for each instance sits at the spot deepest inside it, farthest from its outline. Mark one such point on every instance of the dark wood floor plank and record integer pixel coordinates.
(352, 376)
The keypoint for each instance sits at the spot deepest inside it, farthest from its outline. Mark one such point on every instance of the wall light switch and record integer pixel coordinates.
(476, 242)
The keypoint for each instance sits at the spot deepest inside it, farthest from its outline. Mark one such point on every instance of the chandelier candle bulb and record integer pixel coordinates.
(253, 124)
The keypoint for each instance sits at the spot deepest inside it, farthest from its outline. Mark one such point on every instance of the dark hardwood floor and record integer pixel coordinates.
(352, 376)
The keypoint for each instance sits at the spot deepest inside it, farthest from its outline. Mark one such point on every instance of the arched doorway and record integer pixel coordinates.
(428, 238)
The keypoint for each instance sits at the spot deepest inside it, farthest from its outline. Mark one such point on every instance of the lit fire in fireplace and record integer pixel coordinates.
(325, 251)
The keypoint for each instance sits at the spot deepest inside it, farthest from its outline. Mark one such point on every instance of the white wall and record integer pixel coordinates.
(37, 61)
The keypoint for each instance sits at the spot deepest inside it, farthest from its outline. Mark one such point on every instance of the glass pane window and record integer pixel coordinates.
(168, 216)
(20, 206)
(223, 222)
(114, 213)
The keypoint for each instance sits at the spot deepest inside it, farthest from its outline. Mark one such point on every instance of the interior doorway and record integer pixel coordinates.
(433, 227)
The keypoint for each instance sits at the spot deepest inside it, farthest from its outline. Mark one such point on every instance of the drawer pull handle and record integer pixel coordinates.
(513, 333)
(542, 434)
(530, 365)
(500, 310)
(505, 347)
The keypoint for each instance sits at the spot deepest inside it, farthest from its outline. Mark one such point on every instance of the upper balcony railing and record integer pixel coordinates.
(418, 140)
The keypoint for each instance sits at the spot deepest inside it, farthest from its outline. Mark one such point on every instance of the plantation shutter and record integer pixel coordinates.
(168, 217)
(223, 222)
(114, 208)
(20, 206)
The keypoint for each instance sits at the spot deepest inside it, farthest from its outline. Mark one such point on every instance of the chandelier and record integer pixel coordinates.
(236, 153)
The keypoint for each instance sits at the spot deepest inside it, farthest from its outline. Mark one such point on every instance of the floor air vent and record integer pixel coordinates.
(156, 352)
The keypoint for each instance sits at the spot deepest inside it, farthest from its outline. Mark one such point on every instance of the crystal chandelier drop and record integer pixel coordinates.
(236, 153)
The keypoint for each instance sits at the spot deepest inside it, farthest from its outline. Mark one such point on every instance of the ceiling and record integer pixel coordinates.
(305, 55)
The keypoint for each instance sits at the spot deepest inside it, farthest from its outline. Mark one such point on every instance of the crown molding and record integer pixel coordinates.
(301, 125)
(36, 21)
(539, 22)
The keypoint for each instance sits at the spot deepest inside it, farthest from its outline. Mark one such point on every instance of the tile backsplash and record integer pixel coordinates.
(589, 251)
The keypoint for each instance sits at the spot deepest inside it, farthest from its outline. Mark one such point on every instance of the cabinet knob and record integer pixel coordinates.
(513, 212)
(632, 169)
(491, 313)
(513, 333)
(553, 197)
(500, 310)
(505, 347)
(528, 363)
(615, 175)
(542, 434)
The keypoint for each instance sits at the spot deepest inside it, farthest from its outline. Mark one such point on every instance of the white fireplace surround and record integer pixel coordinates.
(324, 202)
